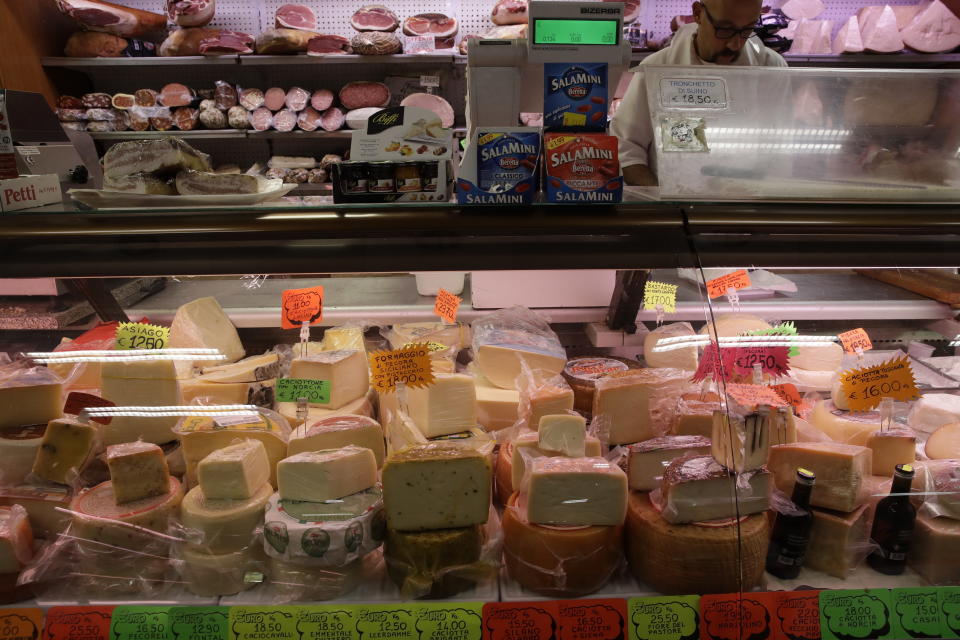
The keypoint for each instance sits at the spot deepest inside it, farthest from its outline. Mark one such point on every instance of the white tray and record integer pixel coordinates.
(100, 199)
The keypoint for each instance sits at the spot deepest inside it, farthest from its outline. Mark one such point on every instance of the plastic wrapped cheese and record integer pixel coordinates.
(685, 358)
(839, 541)
(212, 575)
(636, 405)
(697, 488)
(202, 323)
(436, 564)
(505, 338)
(150, 383)
(339, 431)
(297, 583)
(223, 526)
(98, 518)
(843, 427)
(933, 410)
(29, 396)
(842, 471)
(18, 450)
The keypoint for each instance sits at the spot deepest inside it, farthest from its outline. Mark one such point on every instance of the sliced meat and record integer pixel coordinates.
(139, 122)
(284, 41)
(437, 25)
(94, 44)
(934, 29)
(69, 102)
(465, 43)
(186, 42)
(227, 42)
(97, 15)
(251, 99)
(297, 99)
(274, 98)
(376, 43)
(506, 32)
(97, 100)
(296, 16)
(880, 33)
(848, 39)
(322, 99)
(356, 95)
(509, 12)
(72, 115)
(432, 103)
(309, 119)
(326, 44)
(261, 119)
(374, 17)
(175, 95)
(145, 97)
(185, 118)
(191, 13)
(357, 119)
(285, 120)
(161, 123)
(332, 119)
(123, 101)
(121, 120)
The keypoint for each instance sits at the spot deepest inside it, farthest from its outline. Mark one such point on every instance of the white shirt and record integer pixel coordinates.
(632, 125)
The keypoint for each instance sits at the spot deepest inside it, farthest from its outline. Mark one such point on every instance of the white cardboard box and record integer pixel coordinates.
(541, 289)
(27, 192)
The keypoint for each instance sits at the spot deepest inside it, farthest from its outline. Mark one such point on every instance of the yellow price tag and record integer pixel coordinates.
(660, 293)
(134, 335)
(410, 365)
(864, 388)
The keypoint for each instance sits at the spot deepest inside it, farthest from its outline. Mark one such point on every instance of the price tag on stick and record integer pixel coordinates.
(721, 286)
(135, 335)
(446, 306)
(301, 305)
(856, 341)
(660, 294)
(865, 387)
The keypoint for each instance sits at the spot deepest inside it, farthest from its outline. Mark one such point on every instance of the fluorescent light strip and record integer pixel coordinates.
(156, 357)
(209, 408)
(735, 339)
(170, 414)
(116, 352)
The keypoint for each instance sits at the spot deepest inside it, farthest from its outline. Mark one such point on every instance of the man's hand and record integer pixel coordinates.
(639, 175)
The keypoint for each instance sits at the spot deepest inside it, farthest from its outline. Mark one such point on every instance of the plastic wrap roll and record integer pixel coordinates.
(225, 526)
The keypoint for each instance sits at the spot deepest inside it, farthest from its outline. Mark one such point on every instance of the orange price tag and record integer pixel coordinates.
(446, 306)
(301, 305)
(527, 620)
(751, 395)
(20, 623)
(789, 393)
(855, 339)
(86, 622)
(736, 280)
(592, 619)
(731, 616)
(865, 387)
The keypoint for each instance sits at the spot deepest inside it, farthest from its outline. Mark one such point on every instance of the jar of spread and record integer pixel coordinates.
(353, 177)
(408, 177)
(381, 177)
(429, 173)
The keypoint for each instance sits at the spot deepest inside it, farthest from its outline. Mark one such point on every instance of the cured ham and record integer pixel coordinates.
(227, 42)
(326, 44)
(880, 33)
(191, 13)
(296, 16)
(509, 12)
(374, 17)
(848, 39)
(934, 29)
(97, 15)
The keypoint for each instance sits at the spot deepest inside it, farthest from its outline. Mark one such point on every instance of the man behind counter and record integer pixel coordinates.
(722, 34)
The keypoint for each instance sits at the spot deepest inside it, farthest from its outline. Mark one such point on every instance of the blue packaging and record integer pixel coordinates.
(506, 159)
(575, 96)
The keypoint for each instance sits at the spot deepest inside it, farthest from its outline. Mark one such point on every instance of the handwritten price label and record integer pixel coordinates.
(790, 393)
(751, 395)
(454, 621)
(292, 389)
(140, 623)
(772, 360)
(865, 387)
(410, 365)
(854, 613)
(20, 623)
(916, 613)
(665, 618)
(716, 363)
(731, 616)
(446, 306)
(66, 623)
(527, 620)
(301, 305)
(660, 293)
(736, 280)
(134, 335)
(799, 614)
(855, 339)
(198, 623)
(263, 623)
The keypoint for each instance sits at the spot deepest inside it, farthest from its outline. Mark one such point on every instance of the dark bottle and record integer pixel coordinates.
(893, 525)
(791, 531)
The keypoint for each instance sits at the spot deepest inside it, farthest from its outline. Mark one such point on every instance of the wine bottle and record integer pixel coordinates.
(893, 525)
(791, 531)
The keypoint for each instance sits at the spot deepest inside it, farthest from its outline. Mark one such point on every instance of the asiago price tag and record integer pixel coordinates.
(855, 613)
(410, 365)
(453, 621)
(736, 281)
(134, 335)
(67, 623)
(292, 389)
(865, 387)
(16, 624)
(263, 623)
(446, 306)
(665, 618)
(660, 293)
(855, 340)
(301, 305)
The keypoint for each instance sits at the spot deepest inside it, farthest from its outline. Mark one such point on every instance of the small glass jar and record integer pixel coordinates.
(429, 175)
(408, 177)
(381, 176)
(353, 177)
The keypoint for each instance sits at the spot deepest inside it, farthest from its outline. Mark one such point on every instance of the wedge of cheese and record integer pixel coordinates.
(151, 383)
(236, 472)
(637, 404)
(890, 448)
(648, 460)
(496, 408)
(31, 396)
(449, 405)
(741, 443)
(530, 441)
(331, 474)
(839, 542)
(576, 492)
(346, 371)
(552, 397)
(138, 470)
(65, 449)
(846, 428)
(252, 369)
(563, 433)
(335, 432)
(203, 324)
(841, 472)
(697, 488)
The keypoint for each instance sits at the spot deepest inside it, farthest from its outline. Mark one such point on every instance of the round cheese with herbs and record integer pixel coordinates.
(97, 516)
(324, 534)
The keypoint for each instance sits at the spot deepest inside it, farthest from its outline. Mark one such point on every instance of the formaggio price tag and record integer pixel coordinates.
(446, 306)
(301, 305)
(855, 339)
(693, 93)
(410, 365)
(736, 280)
(134, 335)
(660, 293)
(865, 387)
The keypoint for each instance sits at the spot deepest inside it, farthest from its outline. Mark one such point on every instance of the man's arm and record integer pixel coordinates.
(639, 175)
(631, 125)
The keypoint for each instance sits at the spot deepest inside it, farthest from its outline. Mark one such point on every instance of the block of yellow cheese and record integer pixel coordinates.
(935, 549)
(138, 470)
(331, 474)
(551, 397)
(684, 358)
(944, 442)
(694, 414)
(842, 470)
(340, 338)
(530, 441)
(235, 472)
(202, 435)
(890, 448)
(150, 383)
(647, 460)
(435, 564)
(29, 396)
(697, 488)
(839, 541)
(563, 433)
(346, 372)
(223, 526)
(339, 431)
(65, 449)
(252, 369)
(505, 339)
(198, 390)
(637, 404)
(496, 408)
(846, 428)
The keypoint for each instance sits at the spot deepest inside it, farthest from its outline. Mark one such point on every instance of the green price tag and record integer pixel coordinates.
(140, 623)
(134, 335)
(263, 623)
(199, 623)
(292, 389)
(665, 618)
(383, 622)
(948, 599)
(660, 293)
(861, 614)
(326, 623)
(454, 621)
(916, 613)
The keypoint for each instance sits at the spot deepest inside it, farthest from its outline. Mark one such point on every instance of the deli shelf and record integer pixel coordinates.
(338, 59)
(148, 61)
(341, 134)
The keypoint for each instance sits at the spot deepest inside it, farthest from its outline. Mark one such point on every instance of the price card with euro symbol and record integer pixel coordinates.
(301, 305)
(865, 387)
(660, 294)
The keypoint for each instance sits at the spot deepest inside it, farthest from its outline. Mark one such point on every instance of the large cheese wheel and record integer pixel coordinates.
(729, 325)
(435, 564)
(944, 442)
(293, 582)
(18, 450)
(98, 518)
(559, 562)
(692, 558)
(224, 526)
(221, 574)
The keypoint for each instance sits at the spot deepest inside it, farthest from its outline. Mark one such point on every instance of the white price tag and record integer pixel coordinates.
(225, 422)
(693, 93)
(429, 81)
(419, 44)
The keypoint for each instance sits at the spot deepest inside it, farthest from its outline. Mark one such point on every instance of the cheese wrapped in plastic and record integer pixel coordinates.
(29, 396)
(685, 358)
(637, 405)
(505, 338)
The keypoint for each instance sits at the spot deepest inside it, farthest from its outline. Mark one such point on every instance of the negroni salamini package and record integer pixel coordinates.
(582, 167)
(506, 159)
(575, 96)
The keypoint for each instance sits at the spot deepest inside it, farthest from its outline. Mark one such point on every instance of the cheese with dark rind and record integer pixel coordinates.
(435, 564)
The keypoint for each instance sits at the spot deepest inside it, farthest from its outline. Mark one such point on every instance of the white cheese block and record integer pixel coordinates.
(890, 448)
(563, 433)
(648, 460)
(933, 410)
(839, 398)
(335, 432)
(252, 369)
(223, 574)
(807, 380)
(740, 443)
(18, 450)
(138, 470)
(201, 436)
(436, 486)
(685, 358)
(202, 324)
(728, 325)
(500, 352)
(329, 534)
(401, 433)
(542, 399)
(880, 34)
(841, 469)
(944, 442)
(808, 9)
(223, 526)
(576, 492)
(151, 383)
(315, 476)
(496, 408)
(16, 539)
(362, 406)
(32, 396)
(839, 542)
(848, 39)
(934, 29)
(236, 472)
(346, 371)
(529, 441)
(636, 405)
(826, 357)
(455, 336)
(697, 488)
(449, 405)
(846, 428)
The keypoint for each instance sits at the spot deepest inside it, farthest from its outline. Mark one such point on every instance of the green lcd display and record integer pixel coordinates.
(575, 32)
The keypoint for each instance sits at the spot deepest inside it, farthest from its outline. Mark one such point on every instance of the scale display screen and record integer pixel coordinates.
(548, 31)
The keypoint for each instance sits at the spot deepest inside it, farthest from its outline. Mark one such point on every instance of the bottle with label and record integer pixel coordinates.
(791, 531)
(893, 525)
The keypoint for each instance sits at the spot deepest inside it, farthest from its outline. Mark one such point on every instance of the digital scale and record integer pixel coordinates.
(505, 77)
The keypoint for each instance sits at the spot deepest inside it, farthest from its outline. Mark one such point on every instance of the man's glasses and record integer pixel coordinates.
(725, 33)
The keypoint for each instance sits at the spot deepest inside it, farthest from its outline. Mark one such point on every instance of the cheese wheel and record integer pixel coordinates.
(691, 558)
(944, 442)
(582, 375)
(729, 325)
(559, 562)
(224, 526)
(18, 450)
(201, 436)
(435, 564)
(846, 428)
(294, 582)
(685, 358)
(42, 503)
(324, 534)
(210, 575)
(96, 515)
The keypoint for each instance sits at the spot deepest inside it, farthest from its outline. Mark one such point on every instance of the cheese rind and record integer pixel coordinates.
(741, 443)
(550, 398)
(200, 391)
(530, 441)
(138, 470)
(223, 526)
(252, 369)
(839, 542)
(565, 434)
(890, 448)
(97, 516)
(346, 371)
(66, 447)
(151, 383)
(935, 549)
(685, 358)
(576, 492)
(315, 476)
(697, 488)
(636, 405)
(648, 460)
(449, 405)
(944, 442)
(236, 472)
(841, 470)
(202, 323)
(436, 486)
(339, 431)
(496, 408)
(31, 396)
